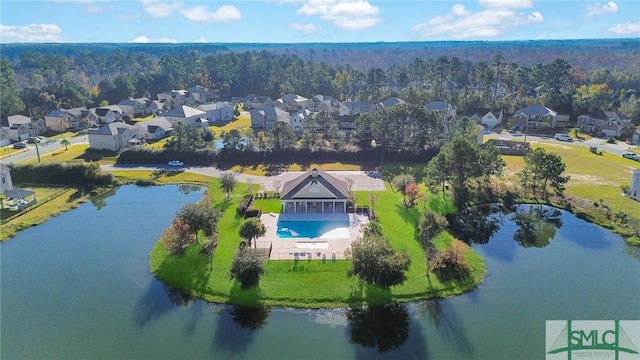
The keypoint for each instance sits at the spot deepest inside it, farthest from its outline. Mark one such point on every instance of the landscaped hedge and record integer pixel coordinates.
(253, 212)
(228, 158)
(86, 175)
(244, 204)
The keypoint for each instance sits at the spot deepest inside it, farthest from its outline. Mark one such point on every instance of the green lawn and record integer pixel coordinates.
(308, 284)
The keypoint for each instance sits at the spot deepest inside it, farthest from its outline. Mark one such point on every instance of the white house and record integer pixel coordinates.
(106, 114)
(113, 137)
(608, 122)
(198, 94)
(173, 98)
(220, 111)
(634, 190)
(486, 117)
(315, 191)
(296, 119)
(5, 179)
(18, 132)
(37, 126)
(154, 129)
(185, 115)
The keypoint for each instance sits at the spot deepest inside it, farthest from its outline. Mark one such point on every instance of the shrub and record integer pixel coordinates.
(252, 213)
(449, 264)
(247, 267)
(85, 175)
(246, 202)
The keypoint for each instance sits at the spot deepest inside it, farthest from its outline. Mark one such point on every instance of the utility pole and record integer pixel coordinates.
(35, 135)
(526, 128)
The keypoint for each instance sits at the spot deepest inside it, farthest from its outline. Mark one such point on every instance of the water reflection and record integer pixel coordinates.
(237, 328)
(100, 200)
(158, 300)
(384, 328)
(186, 188)
(478, 224)
(443, 317)
(537, 225)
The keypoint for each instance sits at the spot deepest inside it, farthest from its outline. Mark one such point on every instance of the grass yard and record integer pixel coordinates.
(265, 169)
(161, 177)
(243, 121)
(9, 150)
(67, 200)
(593, 177)
(288, 283)
(76, 153)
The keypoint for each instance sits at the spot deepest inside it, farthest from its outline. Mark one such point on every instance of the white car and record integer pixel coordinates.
(176, 163)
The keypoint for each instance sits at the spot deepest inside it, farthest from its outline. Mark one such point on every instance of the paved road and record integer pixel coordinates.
(619, 148)
(44, 147)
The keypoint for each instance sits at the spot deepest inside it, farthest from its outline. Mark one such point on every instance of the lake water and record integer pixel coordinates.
(79, 287)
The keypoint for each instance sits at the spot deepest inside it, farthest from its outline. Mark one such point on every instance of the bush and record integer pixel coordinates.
(247, 267)
(246, 202)
(85, 175)
(252, 213)
(450, 264)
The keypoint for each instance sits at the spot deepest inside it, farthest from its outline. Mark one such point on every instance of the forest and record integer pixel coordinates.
(571, 77)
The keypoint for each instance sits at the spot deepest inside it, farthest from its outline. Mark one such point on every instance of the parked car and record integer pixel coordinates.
(20, 145)
(34, 139)
(562, 137)
(631, 156)
(176, 163)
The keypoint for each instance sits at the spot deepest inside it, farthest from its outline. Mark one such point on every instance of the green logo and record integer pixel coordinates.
(591, 339)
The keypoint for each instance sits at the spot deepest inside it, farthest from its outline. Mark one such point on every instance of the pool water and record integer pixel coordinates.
(312, 229)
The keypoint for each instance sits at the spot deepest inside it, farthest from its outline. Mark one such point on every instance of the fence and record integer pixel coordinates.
(62, 190)
(308, 255)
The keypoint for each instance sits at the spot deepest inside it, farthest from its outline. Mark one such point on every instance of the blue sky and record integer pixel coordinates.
(302, 21)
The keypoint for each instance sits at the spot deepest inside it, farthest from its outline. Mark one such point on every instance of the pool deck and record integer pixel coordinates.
(309, 248)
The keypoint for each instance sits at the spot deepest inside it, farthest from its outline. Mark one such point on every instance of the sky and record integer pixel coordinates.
(305, 21)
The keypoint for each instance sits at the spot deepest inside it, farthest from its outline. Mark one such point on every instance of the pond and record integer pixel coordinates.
(78, 287)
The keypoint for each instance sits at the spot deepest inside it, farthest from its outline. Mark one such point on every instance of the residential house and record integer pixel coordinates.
(499, 90)
(154, 129)
(487, 117)
(4, 136)
(199, 95)
(157, 106)
(443, 108)
(608, 122)
(220, 111)
(112, 137)
(63, 119)
(135, 107)
(5, 179)
(533, 117)
(183, 114)
(37, 126)
(315, 191)
(296, 119)
(19, 132)
(201, 123)
(173, 98)
(292, 102)
(324, 103)
(634, 189)
(391, 102)
(256, 102)
(265, 117)
(105, 114)
(349, 112)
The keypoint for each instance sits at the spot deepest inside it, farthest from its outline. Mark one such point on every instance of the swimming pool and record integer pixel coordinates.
(313, 229)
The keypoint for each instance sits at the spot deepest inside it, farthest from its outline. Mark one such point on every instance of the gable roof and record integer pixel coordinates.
(393, 101)
(360, 107)
(184, 111)
(481, 112)
(315, 184)
(112, 129)
(19, 119)
(536, 110)
(152, 125)
(439, 105)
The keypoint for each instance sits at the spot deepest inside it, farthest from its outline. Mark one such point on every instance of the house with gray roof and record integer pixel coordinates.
(112, 137)
(173, 98)
(105, 114)
(292, 102)
(533, 117)
(63, 119)
(325, 103)
(391, 102)
(315, 191)
(254, 101)
(220, 111)
(199, 95)
(608, 122)
(443, 108)
(264, 118)
(184, 114)
(487, 117)
(135, 107)
(37, 126)
(154, 129)
(296, 120)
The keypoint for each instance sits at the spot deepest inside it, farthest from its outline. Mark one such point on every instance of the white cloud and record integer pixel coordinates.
(631, 28)
(488, 23)
(344, 14)
(304, 28)
(144, 39)
(225, 13)
(31, 33)
(506, 4)
(601, 9)
(201, 39)
(160, 8)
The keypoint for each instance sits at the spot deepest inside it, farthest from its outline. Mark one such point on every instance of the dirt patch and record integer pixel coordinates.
(580, 179)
